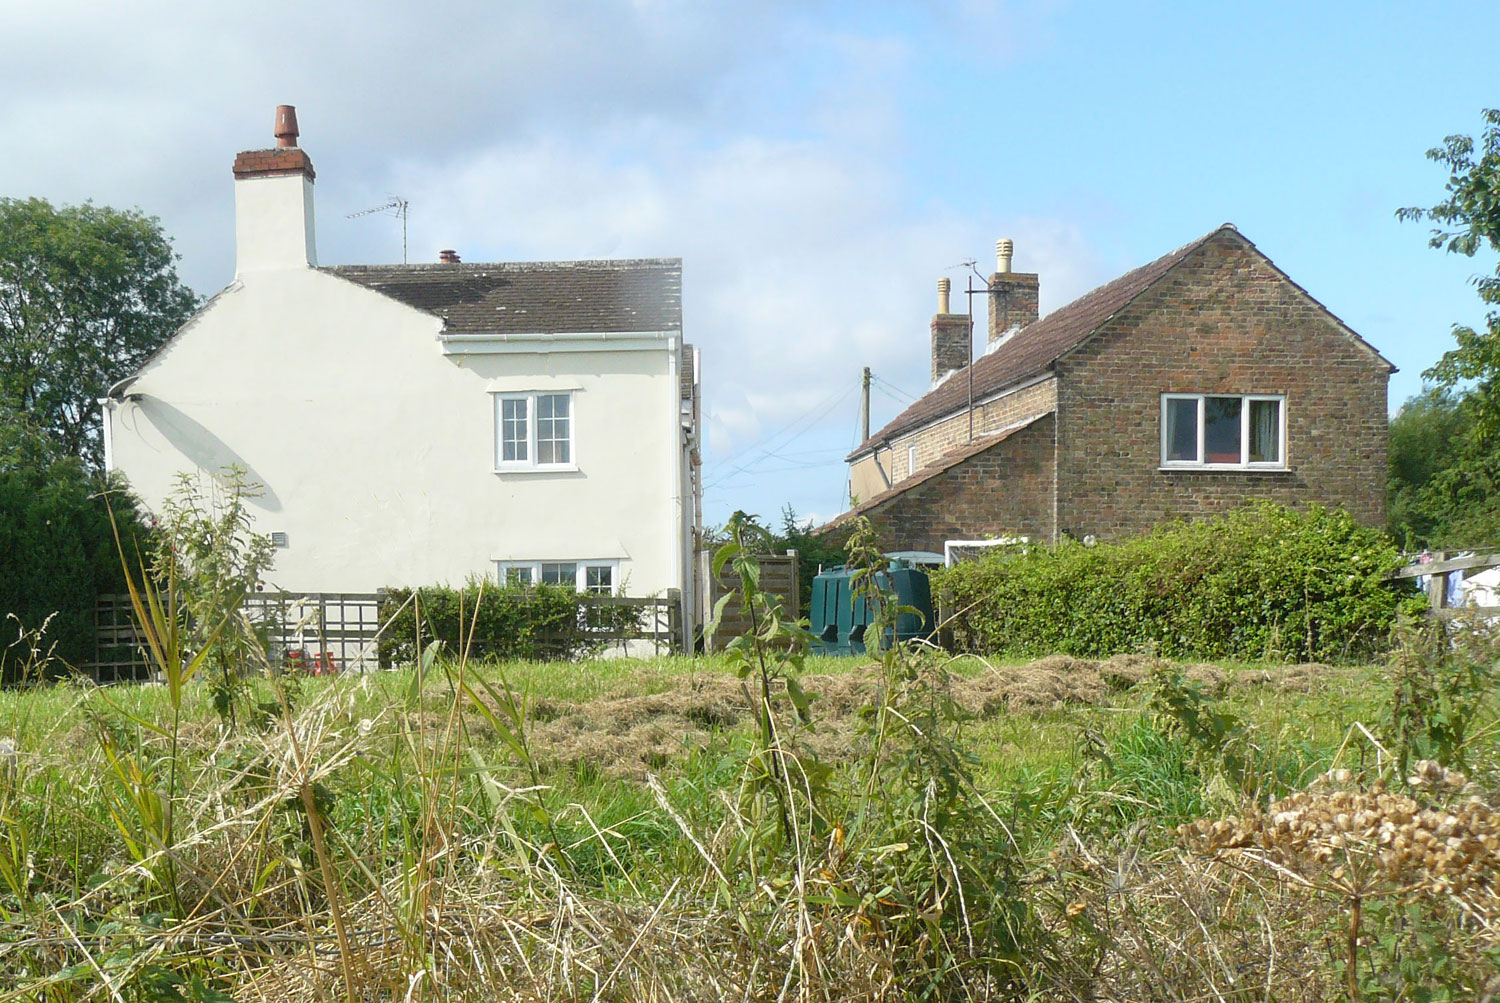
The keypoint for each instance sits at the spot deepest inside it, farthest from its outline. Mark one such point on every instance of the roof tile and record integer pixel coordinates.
(641, 294)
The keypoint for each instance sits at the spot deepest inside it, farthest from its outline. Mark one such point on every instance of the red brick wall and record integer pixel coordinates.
(1003, 490)
(1223, 321)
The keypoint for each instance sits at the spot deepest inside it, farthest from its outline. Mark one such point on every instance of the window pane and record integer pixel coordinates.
(518, 575)
(560, 573)
(552, 429)
(1221, 429)
(599, 579)
(513, 431)
(1265, 431)
(1182, 430)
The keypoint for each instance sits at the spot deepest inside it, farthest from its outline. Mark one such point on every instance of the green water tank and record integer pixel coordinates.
(840, 618)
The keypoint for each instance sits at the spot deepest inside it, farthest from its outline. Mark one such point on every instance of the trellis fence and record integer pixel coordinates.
(328, 632)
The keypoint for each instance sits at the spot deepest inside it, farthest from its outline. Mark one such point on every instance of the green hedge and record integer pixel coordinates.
(57, 550)
(1265, 581)
(538, 623)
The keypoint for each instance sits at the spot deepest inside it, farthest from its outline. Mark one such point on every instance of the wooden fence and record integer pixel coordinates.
(778, 576)
(328, 632)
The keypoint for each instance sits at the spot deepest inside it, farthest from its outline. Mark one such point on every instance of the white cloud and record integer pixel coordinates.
(761, 147)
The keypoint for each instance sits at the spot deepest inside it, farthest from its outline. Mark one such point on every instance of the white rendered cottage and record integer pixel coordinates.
(418, 424)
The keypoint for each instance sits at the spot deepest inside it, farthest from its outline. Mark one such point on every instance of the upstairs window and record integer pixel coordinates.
(533, 431)
(1243, 431)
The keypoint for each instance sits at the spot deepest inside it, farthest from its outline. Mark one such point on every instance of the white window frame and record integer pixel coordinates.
(531, 463)
(1244, 462)
(580, 571)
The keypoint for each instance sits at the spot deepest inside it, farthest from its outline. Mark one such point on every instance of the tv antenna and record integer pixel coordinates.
(396, 206)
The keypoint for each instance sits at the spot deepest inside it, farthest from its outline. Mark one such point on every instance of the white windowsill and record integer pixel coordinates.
(1240, 468)
(547, 468)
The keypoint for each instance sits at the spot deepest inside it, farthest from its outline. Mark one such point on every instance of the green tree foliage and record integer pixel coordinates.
(1444, 480)
(1445, 450)
(57, 550)
(1264, 581)
(86, 294)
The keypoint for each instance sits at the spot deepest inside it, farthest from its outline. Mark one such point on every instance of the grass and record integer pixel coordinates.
(587, 831)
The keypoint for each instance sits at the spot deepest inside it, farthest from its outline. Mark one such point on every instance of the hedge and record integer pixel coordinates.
(1263, 582)
(525, 622)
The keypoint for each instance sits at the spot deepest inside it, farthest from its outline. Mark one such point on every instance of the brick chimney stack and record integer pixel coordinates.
(273, 203)
(952, 340)
(1013, 296)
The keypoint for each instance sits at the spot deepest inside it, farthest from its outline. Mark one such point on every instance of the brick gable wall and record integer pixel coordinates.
(1223, 321)
(1004, 490)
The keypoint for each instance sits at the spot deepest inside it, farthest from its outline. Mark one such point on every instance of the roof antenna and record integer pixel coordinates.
(396, 206)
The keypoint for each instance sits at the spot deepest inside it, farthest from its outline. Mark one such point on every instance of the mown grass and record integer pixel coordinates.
(601, 844)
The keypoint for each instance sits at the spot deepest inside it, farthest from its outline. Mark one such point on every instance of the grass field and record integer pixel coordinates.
(616, 829)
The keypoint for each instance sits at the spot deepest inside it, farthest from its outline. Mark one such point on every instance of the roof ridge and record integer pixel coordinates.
(463, 266)
(1035, 347)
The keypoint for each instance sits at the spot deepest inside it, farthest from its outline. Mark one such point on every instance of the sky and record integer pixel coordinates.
(817, 166)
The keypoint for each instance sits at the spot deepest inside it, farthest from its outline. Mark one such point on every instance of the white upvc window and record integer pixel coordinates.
(534, 431)
(1223, 431)
(597, 577)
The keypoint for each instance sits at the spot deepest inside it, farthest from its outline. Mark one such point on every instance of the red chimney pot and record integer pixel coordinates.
(286, 126)
(448, 256)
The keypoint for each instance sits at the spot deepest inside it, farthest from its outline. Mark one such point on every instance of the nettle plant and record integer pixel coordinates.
(210, 561)
(770, 657)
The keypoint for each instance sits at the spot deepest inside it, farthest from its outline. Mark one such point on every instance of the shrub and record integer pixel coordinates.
(1264, 581)
(57, 551)
(487, 620)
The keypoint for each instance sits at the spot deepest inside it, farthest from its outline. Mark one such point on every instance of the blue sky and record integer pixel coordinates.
(817, 166)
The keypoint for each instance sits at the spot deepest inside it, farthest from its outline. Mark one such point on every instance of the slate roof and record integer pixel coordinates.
(947, 461)
(547, 297)
(1031, 350)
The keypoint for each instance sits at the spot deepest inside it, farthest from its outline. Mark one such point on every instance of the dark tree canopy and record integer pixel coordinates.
(57, 545)
(86, 294)
(1466, 222)
(1445, 442)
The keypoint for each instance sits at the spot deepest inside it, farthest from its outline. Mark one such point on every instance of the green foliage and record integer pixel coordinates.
(1185, 711)
(1447, 497)
(770, 656)
(1444, 478)
(207, 555)
(1442, 679)
(57, 551)
(1264, 582)
(813, 551)
(87, 293)
(487, 620)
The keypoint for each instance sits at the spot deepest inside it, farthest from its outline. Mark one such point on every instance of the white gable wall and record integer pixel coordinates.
(376, 451)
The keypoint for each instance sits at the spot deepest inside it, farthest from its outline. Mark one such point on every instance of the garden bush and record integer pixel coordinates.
(487, 620)
(1263, 582)
(57, 547)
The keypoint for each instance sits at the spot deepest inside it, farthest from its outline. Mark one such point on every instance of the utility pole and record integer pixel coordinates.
(864, 406)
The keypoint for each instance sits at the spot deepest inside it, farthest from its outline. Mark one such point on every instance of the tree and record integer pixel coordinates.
(1466, 221)
(87, 293)
(57, 545)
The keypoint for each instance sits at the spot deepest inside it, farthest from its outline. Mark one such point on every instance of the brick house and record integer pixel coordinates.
(1179, 390)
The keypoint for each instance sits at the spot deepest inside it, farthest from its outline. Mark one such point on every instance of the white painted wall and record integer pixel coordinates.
(376, 450)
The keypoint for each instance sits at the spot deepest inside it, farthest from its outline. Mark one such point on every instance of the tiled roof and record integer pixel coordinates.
(947, 461)
(1036, 346)
(641, 294)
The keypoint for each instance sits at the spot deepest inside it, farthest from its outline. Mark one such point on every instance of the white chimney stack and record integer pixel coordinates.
(273, 203)
(1005, 249)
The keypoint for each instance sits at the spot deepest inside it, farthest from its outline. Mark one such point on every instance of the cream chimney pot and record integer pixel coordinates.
(1005, 249)
(944, 284)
